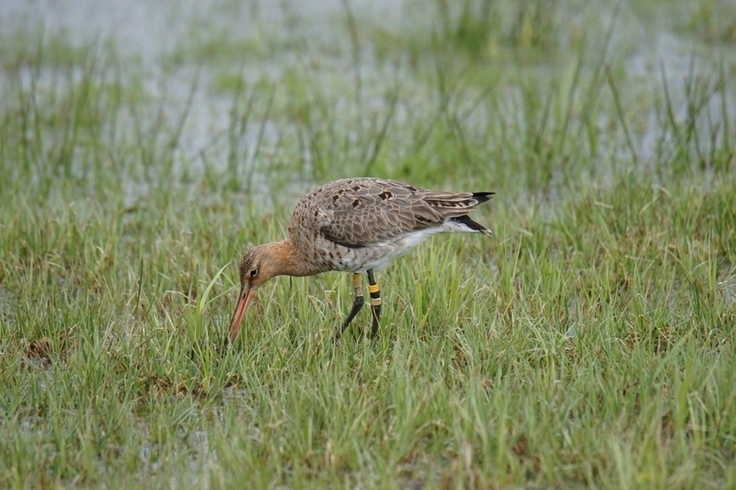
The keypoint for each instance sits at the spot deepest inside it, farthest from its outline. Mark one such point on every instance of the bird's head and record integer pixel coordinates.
(258, 265)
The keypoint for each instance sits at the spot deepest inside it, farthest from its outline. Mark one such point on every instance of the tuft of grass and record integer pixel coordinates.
(472, 27)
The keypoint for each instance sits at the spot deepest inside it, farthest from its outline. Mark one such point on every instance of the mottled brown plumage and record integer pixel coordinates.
(355, 225)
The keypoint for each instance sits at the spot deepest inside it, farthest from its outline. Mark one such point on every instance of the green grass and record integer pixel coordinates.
(589, 343)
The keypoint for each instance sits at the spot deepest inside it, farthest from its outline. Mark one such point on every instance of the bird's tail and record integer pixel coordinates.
(472, 225)
(482, 197)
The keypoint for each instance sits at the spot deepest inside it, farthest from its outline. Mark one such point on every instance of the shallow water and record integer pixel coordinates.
(314, 37)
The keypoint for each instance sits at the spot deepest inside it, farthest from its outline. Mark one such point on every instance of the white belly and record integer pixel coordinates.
(378, 256)
(391, 251)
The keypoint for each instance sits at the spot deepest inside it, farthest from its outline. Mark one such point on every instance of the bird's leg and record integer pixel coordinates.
(357, 305)
(375, 302)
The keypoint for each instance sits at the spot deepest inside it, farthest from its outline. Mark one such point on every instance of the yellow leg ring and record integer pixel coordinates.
(357, 280)
(358, 284)
(373, 288)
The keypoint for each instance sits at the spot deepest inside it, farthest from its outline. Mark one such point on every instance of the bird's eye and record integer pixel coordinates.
(253, 272)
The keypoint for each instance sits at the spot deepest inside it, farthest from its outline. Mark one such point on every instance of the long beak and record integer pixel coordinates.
(246, 296)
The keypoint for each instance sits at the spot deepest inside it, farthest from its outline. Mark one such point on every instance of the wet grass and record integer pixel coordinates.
(590, 342)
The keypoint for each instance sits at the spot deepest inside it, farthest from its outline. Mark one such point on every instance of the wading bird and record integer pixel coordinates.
(355, 225)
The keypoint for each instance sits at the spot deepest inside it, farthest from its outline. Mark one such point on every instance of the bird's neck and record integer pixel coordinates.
(288, 259)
